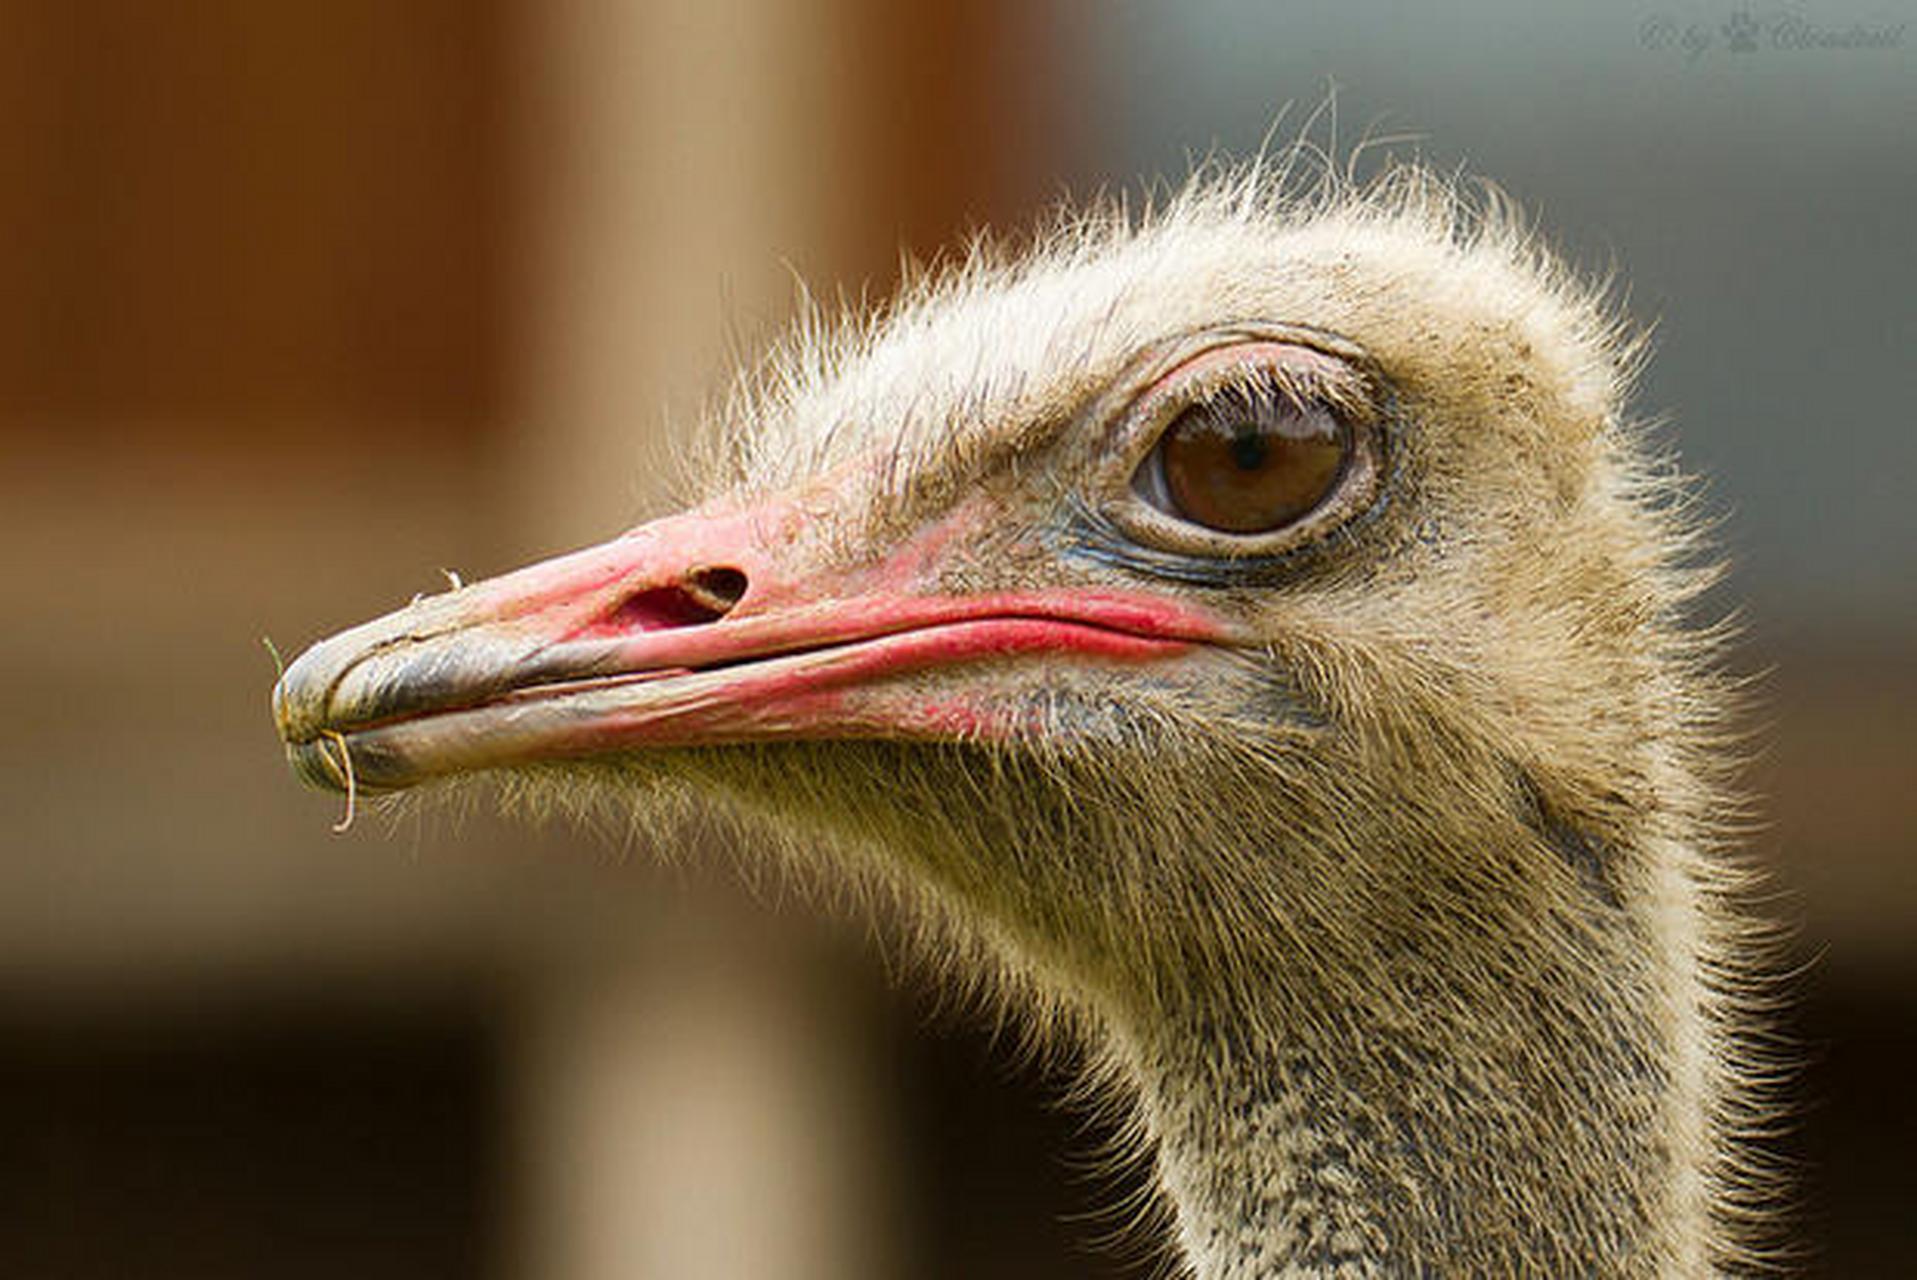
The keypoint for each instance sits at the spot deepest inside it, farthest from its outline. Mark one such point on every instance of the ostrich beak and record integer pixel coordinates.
(723, 625)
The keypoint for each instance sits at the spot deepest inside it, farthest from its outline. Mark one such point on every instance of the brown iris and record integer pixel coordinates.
(1246, 464)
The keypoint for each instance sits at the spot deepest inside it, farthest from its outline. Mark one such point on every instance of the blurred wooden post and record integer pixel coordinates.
(680, 1114)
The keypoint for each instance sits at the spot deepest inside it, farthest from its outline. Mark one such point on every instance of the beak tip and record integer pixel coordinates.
(301, 697)
(282, 713)
(312, 766)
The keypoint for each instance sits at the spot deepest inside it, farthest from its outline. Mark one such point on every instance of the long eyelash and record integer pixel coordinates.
(1251, 400)
(1266, 388)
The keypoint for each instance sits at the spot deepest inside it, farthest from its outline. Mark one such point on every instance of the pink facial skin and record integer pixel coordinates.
(617, 647)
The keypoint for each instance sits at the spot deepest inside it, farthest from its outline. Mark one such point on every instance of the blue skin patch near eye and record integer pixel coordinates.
(1091, 535)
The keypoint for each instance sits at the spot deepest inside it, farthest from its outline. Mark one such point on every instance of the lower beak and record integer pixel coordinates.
(707, 628)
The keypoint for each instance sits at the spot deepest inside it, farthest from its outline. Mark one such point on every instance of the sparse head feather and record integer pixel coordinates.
(1006, 339)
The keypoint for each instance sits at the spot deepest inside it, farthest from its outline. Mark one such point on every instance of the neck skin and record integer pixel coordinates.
(1460, 1108)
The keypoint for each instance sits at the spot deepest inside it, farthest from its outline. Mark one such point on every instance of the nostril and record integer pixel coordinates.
(717, 589)
(705, 595)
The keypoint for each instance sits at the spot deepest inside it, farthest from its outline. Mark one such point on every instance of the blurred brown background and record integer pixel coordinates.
(300, 303)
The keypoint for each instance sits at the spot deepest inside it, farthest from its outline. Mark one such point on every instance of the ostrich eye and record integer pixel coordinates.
(1246, 463)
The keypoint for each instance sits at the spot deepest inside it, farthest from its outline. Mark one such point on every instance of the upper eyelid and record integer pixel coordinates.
(1322, 376)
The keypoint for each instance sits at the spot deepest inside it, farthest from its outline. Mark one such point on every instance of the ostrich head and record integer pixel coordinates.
(1258, 630)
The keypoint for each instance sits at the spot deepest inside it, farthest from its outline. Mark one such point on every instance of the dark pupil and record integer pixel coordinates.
(1242, 468)
(1248, 448)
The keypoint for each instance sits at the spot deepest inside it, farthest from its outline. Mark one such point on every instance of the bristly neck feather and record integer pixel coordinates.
(1468, 1108)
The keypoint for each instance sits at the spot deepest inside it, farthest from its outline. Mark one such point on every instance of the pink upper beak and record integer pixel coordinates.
(716, 626)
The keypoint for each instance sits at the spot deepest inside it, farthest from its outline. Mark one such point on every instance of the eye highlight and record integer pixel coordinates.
(1249, 461)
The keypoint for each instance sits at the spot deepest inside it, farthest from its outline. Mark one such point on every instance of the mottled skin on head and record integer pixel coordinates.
(1401, 901)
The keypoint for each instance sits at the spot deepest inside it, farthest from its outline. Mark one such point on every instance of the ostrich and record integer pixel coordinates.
(1253, 634)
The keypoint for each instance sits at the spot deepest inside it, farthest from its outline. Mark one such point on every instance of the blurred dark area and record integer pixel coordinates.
(290, 1140)
(300, 303)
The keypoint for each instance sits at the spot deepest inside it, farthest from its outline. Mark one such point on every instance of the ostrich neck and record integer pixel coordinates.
(1451, 1115)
